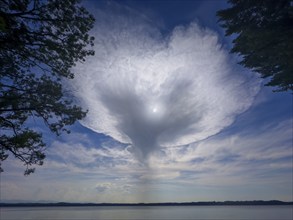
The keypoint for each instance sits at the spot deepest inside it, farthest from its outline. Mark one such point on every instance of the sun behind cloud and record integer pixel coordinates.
(149, 91)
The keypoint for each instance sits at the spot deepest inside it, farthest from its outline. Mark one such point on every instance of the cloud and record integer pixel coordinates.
(245, 154)
(80, 157)
(261, 158)
(82, 170)
(149, 90)
(103, 187)
(110, 187)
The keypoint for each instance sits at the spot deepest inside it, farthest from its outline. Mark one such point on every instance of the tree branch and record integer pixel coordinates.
(17, 109)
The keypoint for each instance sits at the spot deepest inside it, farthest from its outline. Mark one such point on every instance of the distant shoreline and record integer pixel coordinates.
(213, 203)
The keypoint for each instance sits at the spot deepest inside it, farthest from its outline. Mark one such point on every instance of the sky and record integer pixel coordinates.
(172, 117)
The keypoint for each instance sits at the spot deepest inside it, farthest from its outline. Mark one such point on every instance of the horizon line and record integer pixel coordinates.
(198, 203)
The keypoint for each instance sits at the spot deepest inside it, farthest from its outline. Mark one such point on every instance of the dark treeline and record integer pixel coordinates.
(212, 203)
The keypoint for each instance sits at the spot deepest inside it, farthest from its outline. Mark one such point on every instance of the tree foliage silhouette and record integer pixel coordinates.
(264, 30)
(40, 41)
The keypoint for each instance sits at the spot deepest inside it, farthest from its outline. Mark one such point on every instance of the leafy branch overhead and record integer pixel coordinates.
(40, 41)
(264, 30)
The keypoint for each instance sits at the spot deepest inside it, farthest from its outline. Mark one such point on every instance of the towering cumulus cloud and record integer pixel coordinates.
(152, 91)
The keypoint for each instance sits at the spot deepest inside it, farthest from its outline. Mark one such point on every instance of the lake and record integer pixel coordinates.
(148, 212)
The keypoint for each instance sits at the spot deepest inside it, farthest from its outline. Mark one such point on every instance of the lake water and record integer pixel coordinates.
(149, 212)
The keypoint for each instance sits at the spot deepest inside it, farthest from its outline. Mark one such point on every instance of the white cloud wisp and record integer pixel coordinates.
(149, 91)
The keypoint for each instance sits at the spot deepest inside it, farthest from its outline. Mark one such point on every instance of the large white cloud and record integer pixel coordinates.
(150, 90)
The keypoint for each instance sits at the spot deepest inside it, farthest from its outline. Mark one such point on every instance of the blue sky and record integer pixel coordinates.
(172, 117)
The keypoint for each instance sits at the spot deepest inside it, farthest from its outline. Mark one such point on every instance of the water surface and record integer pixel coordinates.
(148, 212)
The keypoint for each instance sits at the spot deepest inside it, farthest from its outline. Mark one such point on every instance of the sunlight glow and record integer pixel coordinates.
(150, 92)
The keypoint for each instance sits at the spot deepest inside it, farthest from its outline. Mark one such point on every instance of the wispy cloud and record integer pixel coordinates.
(148, 90)
(80, 169)
(245, 153)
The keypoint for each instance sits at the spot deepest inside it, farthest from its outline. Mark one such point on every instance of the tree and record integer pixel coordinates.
(264, 33)
(40, 41)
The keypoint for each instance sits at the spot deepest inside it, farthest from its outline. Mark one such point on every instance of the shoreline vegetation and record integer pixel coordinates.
(212, 203)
